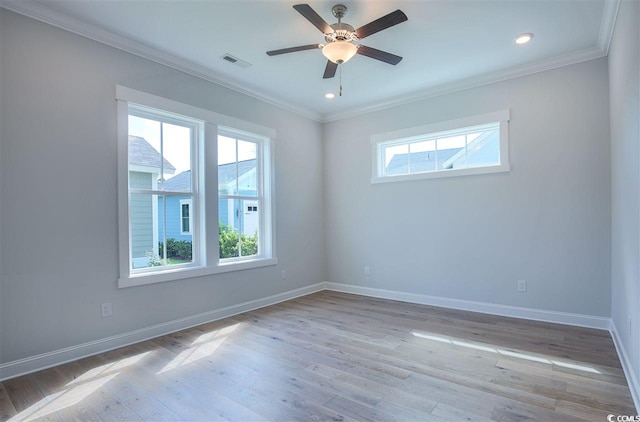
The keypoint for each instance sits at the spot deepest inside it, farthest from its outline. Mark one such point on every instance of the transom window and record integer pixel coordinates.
(425, 152)
(191, 184)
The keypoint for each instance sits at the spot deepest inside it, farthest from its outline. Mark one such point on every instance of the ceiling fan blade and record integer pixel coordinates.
(378, 25)
(379, 55)
(293, 49)
(311, 15)
(330, 70)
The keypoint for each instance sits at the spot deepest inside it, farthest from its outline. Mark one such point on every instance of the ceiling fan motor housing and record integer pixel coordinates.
(341, 32)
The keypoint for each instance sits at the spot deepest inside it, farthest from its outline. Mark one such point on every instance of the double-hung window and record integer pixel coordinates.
(195, 191)
(472, 145)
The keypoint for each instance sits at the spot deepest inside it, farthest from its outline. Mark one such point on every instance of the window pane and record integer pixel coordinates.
(484, 149)
(176, 148)
(239, 227)
(247, 175)
(448, 148)
(145, 231)
(144, 153)
(247, 178)
(161, 150)
(228, 223)
(396, 159)
(156, 240)
(227, 166)
(422, 156)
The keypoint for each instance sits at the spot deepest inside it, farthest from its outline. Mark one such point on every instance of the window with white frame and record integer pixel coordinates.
(187, 177)
(473, 145)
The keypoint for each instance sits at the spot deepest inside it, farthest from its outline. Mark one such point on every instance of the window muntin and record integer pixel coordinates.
(474, 145)
(197, 186)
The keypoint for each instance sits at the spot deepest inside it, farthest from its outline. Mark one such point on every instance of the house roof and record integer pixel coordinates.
(141, 153)
(420, 161)
(226, 174)
(179, 182)
(473, 147)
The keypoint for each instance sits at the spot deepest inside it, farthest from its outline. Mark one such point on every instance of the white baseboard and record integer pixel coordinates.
(634, 386)
(58, 357)
(589, 321)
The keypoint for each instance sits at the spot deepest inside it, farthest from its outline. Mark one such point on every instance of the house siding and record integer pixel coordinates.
(140, 213)
(173, 223)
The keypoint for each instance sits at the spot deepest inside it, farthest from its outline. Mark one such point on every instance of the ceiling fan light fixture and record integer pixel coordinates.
(339, 51)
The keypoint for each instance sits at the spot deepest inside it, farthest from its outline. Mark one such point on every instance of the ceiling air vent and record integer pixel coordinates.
(236, 61)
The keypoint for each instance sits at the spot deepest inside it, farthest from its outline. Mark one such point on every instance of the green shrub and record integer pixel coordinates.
(229, 245)
(178, 249)
(229, 242)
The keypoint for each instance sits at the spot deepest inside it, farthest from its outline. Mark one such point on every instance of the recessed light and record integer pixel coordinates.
(523, 38)
(329, 95)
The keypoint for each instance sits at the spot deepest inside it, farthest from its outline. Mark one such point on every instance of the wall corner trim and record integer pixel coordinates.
(634, 386)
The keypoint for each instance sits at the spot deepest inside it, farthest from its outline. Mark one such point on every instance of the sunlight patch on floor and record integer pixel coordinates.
(201, 348)
(504, 352)
(77, 390)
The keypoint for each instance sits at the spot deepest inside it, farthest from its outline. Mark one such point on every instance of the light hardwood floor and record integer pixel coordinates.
(334, 356)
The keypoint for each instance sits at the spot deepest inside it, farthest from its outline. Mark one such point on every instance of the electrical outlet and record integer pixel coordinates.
(522, 286)
(107, 310)
(283, 274)
(367, 270)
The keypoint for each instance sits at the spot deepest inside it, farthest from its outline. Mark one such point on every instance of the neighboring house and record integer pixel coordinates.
(420, 161)
(179, 225)
(245, 220)
(147, 215)
(484, 150)
(144, 173)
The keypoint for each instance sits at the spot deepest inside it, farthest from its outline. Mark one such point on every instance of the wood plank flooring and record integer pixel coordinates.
(338, 357)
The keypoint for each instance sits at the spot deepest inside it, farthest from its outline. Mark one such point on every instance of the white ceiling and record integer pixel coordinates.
(447, 45)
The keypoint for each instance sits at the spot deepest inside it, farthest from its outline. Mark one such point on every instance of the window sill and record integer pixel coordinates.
(142, 279)
(443, 173)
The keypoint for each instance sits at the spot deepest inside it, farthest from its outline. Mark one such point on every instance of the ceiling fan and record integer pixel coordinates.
(341, 37)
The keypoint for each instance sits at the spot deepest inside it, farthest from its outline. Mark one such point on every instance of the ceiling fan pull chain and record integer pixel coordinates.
(340, 80)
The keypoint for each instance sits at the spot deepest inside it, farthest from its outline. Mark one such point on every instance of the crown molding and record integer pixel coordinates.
(607, 25)
(474, 82)
(44, 14)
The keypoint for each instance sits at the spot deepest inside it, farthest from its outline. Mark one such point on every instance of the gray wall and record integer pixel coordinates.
(547, 221)
(59, 226)
(624, 75)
